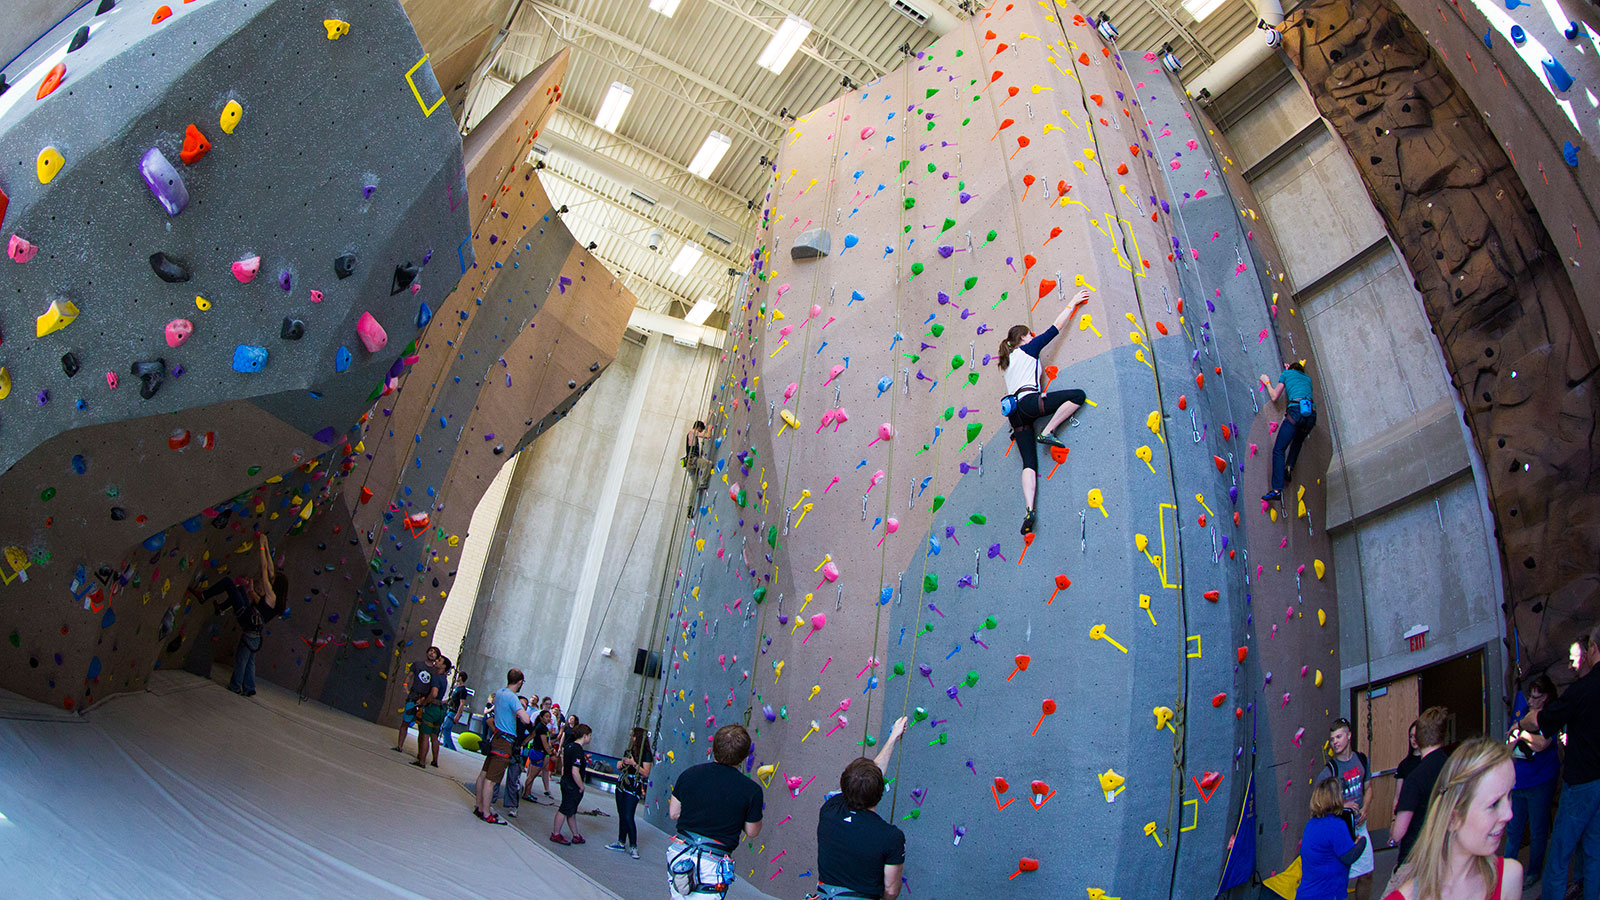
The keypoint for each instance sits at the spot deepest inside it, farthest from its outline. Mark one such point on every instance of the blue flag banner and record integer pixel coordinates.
(1241, 862)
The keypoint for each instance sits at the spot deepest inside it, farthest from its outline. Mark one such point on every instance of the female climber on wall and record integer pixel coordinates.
(1299, 418)
(1025, 402)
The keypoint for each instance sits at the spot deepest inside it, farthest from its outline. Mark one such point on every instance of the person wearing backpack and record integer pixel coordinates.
(1352, 769)
(1299, 418)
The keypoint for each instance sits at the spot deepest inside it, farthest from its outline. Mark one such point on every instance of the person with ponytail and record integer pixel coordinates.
(1457, 855)
(1025, 401)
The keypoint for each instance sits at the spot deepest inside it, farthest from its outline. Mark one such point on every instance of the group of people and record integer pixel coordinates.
(1461, 812)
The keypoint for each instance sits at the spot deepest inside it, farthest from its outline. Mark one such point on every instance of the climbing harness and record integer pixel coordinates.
(699, 866)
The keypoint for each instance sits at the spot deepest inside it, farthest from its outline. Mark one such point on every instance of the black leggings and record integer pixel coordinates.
(1036, 406)
(627, 829)
(236, 598)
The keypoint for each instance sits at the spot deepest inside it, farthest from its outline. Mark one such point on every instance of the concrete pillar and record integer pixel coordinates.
(572, 649)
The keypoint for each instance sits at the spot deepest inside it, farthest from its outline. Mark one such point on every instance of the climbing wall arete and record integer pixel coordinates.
(858, 558)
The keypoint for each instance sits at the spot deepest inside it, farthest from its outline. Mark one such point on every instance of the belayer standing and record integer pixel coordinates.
(1025, 402)
(859, 855)
(715, 806)
(1298, 420)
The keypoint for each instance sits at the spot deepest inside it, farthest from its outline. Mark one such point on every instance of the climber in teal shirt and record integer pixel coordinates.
(1299, 419)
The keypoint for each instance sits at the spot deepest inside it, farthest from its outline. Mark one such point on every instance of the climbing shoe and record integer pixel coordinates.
(1272, 496)
(1050, 440)
(1027, 523)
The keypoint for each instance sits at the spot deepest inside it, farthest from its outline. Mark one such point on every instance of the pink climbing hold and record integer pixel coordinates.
(373, 337)
(885, 432)
(868, 132)
(20, 250)
(178, 331)
(839, 418)
(111, 380)
(316, 296)
(827, 419)
(833, 373)
(788, 392)
(246, 269)
(818, 621)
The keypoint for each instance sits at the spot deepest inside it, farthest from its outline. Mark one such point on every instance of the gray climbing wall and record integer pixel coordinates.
(1017, 159)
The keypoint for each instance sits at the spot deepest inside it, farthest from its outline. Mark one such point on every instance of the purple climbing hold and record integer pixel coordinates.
(368, 190)
(164, 181)
(286, 280)
(326, 435)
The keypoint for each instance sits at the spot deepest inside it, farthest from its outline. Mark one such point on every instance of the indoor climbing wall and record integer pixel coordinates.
(1493, 232)
(858, 556)
(198, 289)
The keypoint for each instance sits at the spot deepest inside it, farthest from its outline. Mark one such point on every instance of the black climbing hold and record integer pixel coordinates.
(69, 363)
(80, 38)
(344, 266)
(594, 367)
(3, 83)
(571, 384)
(292, 330)
(151, 372)
(499, 449)
(403, 276)
(33, 662)
(118, 514)
(168, 269)
(105, 7)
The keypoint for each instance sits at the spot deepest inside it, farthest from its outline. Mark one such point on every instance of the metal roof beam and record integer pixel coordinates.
(711, 253)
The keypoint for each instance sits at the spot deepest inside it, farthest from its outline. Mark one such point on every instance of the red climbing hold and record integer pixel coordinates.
(52, 80)
(5, 201)
(366, 494)
(1222, 464)
(1098, 100)
(1122, 168)
(1134, 149)
(1083, 59)
(1219, 699)
(162, 14)
(195, 145)
(1046, 285)
(1183, 401)
(1243, 652)
(1200, 380)
(1213, 596)
(1227, 433)
(1161, 327)
(1202, 520)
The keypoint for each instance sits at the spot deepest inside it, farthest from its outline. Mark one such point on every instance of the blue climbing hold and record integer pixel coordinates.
(326, 435)
(1518, 36)
(1486, 41)
(1559, 79)
(424, 315)
(94, 669)
(884, 384)
(1573, 31)
(79, 465)
(192, 524)
(107, 620)
(341, 359)
(155, 541)
(1569, 152)
(248, 359)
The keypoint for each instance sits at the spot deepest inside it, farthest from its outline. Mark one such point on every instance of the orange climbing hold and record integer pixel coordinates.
(1222, 464)
(195, 145)
(1134, 149)
(1083, 59)
(1098, 100)
(52, 80)
(1227, 433)
(162, 14)
(1122, 168)
(1161, 327)
(1046, 285)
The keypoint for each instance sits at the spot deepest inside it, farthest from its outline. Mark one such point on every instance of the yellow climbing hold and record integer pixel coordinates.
(5, 383)
(231, 114)
(1317, 564)
(60, 314)
(201, 303)
(1322, 618)
(1319, 678)
(50, 164)
(337, 28)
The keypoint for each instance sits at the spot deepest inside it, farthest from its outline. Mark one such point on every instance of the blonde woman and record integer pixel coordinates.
(1457, 854)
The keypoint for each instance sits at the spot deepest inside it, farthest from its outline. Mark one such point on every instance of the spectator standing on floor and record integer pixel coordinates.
(1353, 771)
(1406, 766)
(457, 703)
(1576, 831)
(1538, 766)
(431, 714)
(1457, 852)
(713, 804)
(507, 712)
(574, 774)
(539, 752)
(633, 774)
(1414, 794)
(420, 683)
(1329, 846)
(859, 855)
(510, 790)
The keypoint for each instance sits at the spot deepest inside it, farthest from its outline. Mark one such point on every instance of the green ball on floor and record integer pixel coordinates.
(468, 741)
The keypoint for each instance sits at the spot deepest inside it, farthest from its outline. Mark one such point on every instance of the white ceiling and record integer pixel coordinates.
(696, 72)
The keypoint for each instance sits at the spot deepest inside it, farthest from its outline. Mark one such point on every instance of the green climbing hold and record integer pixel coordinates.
(949, 223)
(977, 519)
(991, 623)
(47, 494)
(783, 712)
(927, 627)
(972, 378)
(965, 121)
(916, 813)
(772, 541)
(16, 639)
(957, 362)
(969, 284)
(972, 678)
(758, 595)
(932, 168)
(961, 53)
(910, 202)
(253, 470)
(938, 501)
(930, 583)
(871, 741)
(937, 330)
(903, 164)
(931, 92)
(916, 269)
(919, 714)
(973, 430)
(990, 236)
(899, 669)
(742, 500)
(949, 410)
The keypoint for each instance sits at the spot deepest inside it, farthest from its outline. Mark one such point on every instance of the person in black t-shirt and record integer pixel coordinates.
(713, 804)
(254, 602)
(540, 752)
(574, 769)
(1577, 820)
(417, 687)
(859, 855)
(1414, 794)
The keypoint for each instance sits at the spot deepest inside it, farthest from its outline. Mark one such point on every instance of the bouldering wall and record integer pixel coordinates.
(858, 558)
(231, 285)
(1518, 339)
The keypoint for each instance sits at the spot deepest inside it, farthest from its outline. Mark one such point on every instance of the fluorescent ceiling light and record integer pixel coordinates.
(612, 107)
(1202, 8)
(784, 43)
(711, 152)
(701, 311)
(687, 256)
(665, 7)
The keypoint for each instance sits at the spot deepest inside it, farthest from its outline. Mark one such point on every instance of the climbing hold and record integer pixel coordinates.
(1163, 716)
(344, 266)
(79, 39)
(425, 315)
(52, 80)
(195, 145)
(248, 359)
(178, 331)
(151, 374)
(1218, 700)
(292, 329)
(1569, 152)
(404, 275)
(164, 181)
(5, 383)
(163, 12)
(202, 303)
(60, 314)
(49, 164)
(21, 250)
(1560, 80)
(232, 112)
(337, 28)
(246, 269)
(372, 335)
(168, 269)
(1322, 617)
(1317, 564)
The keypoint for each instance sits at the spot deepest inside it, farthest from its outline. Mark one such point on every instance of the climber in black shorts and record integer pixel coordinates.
(1024, 403)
